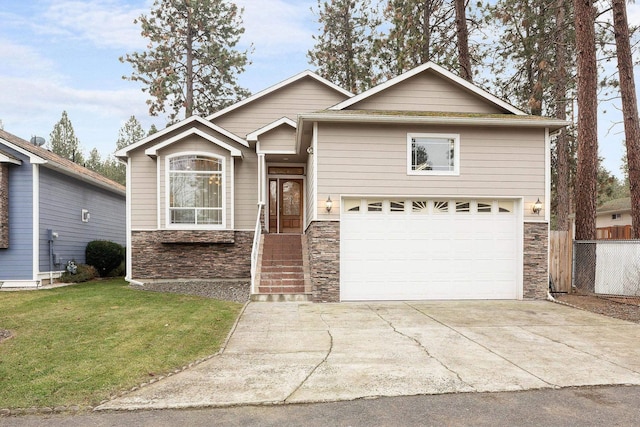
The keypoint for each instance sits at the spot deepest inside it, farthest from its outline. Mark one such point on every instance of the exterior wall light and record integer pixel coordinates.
(328, 204)
(537, 207)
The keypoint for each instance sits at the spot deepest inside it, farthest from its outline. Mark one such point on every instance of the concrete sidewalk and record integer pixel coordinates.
(303, 352)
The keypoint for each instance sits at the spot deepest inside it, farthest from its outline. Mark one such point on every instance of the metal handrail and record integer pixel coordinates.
(255, 249)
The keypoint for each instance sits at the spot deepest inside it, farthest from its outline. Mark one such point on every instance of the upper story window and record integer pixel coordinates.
(433, 154)
(616, 216)
(196, 190)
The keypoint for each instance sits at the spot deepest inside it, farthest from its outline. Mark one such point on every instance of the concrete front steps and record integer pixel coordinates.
(282, 271)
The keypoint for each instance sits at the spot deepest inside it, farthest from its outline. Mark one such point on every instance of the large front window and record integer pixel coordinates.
(195, 190)
(433, 154)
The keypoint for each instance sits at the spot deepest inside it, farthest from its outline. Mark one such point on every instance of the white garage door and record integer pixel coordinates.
(398, 249)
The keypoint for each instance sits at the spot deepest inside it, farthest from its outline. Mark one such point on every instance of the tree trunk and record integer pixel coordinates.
(587, 121)
(562, 145)
(629, 108)
(462, 34)
(189, 77)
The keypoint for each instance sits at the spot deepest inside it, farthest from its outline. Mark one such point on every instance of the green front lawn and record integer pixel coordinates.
(80, 344)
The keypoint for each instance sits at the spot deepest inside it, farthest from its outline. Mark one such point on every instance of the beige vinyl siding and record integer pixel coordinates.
(372, 160)
(280, 139)
(246, 191)
(143, 187)
(426, 92)
(304, 95)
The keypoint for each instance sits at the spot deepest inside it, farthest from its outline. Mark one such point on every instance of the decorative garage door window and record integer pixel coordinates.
(427, 206)
(195, 190)
(433, 154)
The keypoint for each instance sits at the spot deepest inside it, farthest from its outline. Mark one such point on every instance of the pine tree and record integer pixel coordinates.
(153, 129)
(344, 51)
(130, 133)
(191, 64)
(94, 162)
(421, 31)
(587, 120)
(462, 36)
(63, 140)
(629, 109)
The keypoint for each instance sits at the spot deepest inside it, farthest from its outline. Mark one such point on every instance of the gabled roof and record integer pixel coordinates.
(123, 153)
(51, 160)
(253, 136)
(8, 158)
(433, 118)
(438, 70)
(153, 150)
(278, 86)
(616, 205)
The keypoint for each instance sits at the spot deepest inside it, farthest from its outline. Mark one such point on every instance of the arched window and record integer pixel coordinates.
(195, 190)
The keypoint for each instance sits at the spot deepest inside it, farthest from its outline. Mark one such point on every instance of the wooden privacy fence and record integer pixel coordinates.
(616, 232)
(560, 260)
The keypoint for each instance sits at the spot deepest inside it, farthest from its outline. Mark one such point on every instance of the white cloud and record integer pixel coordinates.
(23, 60)
(277, 27)
(104, 23)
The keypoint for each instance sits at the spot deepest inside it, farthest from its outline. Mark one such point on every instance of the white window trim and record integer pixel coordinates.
(167, 189)
(456, 153)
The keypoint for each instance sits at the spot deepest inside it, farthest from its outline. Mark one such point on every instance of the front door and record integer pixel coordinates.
(285, 205)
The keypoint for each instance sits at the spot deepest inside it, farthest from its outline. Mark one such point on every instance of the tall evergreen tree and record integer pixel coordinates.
(130, 133)
(63, 140)
(585, 14)
(191, 64)
(344, 50)
(94, 162)
(462, 36)
(563, 156)
(421, 31)
(629, 108)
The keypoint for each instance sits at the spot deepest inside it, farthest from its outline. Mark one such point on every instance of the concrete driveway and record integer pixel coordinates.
(303, 352)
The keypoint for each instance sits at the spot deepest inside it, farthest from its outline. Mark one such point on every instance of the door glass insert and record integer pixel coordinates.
(291, 198)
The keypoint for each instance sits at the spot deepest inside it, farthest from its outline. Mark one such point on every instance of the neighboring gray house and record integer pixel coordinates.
(423, 187)
(50, 208)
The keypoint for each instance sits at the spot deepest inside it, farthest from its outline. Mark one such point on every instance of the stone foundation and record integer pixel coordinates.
(536, 260)
(323, 243)
(185, 254)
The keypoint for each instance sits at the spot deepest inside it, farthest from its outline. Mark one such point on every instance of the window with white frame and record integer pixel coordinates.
(433, 154)
(196, 190)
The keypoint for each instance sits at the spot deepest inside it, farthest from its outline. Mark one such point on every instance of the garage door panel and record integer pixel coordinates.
(420, 255)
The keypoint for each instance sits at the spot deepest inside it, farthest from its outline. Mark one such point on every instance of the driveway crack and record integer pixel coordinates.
(419, 344)
(315, 368)
(604, 359)
(482, 345)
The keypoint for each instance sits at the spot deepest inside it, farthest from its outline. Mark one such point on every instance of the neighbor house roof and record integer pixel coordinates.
(438, 70)
(51, 160)
(616, 205)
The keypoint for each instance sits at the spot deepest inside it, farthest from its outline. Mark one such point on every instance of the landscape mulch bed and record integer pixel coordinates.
(612, 306)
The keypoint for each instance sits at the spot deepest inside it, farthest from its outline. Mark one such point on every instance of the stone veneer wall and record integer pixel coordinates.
(4, 206)
(536, 260)
(323, 242)
(185, 254)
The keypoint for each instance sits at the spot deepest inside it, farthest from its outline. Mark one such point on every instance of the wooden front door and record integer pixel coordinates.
(285, 205)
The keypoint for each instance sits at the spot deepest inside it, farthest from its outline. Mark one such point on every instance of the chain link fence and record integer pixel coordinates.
(608, 268)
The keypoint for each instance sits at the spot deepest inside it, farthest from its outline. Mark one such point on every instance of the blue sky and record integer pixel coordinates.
(63, 55)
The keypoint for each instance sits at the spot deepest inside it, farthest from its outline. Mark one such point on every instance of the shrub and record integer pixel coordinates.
(105, 256)
(84, 273)
(119, 271)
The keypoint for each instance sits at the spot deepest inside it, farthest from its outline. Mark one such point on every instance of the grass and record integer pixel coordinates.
(80, 344)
